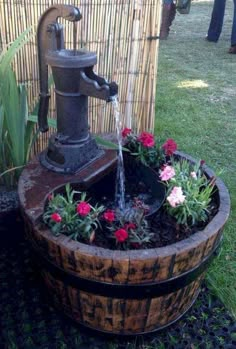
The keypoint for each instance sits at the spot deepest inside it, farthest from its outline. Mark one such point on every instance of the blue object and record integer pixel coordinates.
(217, 19)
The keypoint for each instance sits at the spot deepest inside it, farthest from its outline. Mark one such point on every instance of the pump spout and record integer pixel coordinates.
(93, 85)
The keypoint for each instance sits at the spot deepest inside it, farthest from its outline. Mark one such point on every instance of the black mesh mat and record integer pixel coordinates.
(27, 320)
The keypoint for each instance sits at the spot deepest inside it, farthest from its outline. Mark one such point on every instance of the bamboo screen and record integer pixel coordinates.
(123, 33)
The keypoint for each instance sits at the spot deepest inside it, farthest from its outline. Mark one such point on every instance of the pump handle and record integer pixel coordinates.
(50, 38)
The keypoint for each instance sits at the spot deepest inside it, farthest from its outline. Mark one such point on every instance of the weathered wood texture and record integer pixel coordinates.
(121, 316)
(115, 267)
(122, 33)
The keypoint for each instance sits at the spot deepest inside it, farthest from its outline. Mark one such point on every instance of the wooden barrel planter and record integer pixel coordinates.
(117, 292)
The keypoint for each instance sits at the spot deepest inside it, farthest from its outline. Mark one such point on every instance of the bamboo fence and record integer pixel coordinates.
(123, 33)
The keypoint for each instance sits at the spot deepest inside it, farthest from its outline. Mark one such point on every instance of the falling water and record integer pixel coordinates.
(74, 36)
(120, 176)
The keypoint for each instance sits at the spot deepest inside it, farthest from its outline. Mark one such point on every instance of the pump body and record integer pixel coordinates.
(72, 146)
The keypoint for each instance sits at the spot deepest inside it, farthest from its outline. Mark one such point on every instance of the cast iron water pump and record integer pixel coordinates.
(72, 147)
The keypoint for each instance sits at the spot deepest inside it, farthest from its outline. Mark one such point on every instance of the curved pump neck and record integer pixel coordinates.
(50, 38)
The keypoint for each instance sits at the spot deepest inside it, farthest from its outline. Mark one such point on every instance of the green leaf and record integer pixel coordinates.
(108, 144)
(1, 122)
(51, 122)
(12, 105)
(7, 56)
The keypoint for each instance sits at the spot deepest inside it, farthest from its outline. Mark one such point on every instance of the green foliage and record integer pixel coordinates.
(68, 220)
(63, 215)
(197, 190)
(149, 156)
(16, 130)
(136, 226)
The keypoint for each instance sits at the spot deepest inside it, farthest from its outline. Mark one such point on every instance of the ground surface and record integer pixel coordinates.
(196, 105)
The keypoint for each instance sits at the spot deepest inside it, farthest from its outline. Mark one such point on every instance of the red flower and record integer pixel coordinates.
(169, 147)
(83, 208)
(126, 131)
(56, 217)
(121, 235)
(202, 162)
(147, 139)
(109, 216)
(128, 226)
(135, 245)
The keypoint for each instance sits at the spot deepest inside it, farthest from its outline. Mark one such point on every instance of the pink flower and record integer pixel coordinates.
(109, 216)
(176, 197)
(147, 139)
(56, 217)
(126, 131)
(50, 197)
(167, 173)
(193, 175)
(121, 235)
(169, 147)
(83, 208)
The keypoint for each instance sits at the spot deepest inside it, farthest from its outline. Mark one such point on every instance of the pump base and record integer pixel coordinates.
(69, 158)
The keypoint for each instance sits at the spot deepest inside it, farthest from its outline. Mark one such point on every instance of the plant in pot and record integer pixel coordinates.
(103, 267)
(16, 132)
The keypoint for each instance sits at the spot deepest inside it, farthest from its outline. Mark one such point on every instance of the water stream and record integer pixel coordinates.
(120, 176)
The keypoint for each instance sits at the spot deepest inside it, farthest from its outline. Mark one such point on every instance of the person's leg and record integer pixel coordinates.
(217, 19)
(168, 15)
(233, 33)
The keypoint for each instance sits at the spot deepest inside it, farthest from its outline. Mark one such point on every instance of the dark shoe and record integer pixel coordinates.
(210, 40)
(232, 49)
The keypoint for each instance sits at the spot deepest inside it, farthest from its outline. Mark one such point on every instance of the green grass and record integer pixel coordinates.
(196, 105)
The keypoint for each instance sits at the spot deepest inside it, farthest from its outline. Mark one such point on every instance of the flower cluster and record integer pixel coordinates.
(188, 192)
(147, 148)
(188, 197)
(72, 215)
(77, 219)
(129, 231)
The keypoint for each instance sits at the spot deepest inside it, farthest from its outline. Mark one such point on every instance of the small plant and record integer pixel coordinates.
(189, 192)
(74, 218)
(130, 230)
(16, 130)
(145, 147)
(78, 219)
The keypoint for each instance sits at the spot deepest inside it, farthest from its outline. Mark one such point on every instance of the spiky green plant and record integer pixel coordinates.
(16, 130)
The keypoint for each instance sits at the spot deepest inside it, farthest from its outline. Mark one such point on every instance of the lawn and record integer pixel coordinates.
(196, 95)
